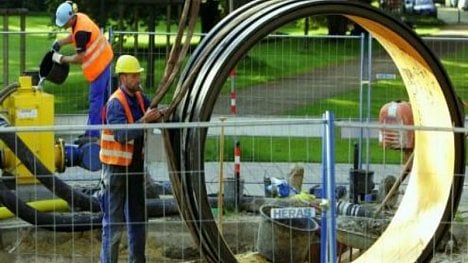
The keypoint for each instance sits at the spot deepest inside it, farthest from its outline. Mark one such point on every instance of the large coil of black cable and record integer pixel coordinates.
(431, 96)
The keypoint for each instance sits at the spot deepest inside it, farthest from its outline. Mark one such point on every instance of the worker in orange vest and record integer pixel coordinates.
(122, 195)
(95, 55)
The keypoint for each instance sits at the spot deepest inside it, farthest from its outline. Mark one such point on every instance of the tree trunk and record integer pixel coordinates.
(209, 15)
(337, 25)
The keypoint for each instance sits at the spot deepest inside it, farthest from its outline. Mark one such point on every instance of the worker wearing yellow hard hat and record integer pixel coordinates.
(128, 64)
(122, 195)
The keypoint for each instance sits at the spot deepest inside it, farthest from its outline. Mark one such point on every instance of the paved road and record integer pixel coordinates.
(453, 16)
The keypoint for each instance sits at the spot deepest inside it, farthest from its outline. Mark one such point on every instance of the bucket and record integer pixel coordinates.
(230, 192)
(52, 71)
(361, 182)
(285, 240)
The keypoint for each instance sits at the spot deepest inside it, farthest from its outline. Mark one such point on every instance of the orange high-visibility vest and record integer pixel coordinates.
(98, 54)
(113, 152)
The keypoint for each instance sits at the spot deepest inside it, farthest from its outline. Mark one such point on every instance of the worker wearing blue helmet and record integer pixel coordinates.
(93, 52)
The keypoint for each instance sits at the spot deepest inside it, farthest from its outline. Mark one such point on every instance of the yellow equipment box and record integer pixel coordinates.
(29, 107)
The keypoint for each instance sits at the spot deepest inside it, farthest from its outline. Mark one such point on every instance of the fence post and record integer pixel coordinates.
(221, 177)
(361, 94)
(22, 43)
(328, 230)
(5, 49)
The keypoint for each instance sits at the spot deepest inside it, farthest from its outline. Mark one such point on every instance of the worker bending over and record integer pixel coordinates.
(95, 55)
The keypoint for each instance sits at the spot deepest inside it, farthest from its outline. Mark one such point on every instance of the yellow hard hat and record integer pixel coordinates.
(127, 64)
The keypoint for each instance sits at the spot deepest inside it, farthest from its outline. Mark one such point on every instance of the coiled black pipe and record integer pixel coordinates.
(202, 226)
(226, 47)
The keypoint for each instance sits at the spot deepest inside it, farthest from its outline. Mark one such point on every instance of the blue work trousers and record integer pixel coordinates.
(99, 93)
(123, 204)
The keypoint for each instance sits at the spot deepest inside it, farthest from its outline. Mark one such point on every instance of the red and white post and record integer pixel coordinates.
(232, 76)
(237, 156)
(237, 151)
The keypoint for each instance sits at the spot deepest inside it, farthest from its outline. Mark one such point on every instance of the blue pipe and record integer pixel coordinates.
(328, 219)
(85, 155)
(330, 142)
(323, 219)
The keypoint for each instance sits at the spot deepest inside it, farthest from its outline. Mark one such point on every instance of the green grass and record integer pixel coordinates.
(346, 105)
(297, 56)
(307, 150)
(456, 66)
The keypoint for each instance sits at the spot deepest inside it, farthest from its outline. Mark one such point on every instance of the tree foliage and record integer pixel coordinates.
(104, 12)
(36, 5)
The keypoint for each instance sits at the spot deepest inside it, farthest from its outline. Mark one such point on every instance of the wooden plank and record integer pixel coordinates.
(13, 11)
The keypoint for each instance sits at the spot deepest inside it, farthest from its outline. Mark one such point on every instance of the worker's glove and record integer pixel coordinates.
(57, 57)
(56, 46)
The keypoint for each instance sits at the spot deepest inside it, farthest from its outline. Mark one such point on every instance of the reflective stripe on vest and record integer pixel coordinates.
(98, 54)
(113, 152)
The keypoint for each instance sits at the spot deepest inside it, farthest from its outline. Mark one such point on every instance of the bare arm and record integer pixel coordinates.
(81, 40)
(75, 59)
(65, 41)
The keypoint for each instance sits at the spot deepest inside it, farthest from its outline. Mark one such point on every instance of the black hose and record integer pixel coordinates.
(35, 166)
(76, 198)
(57, 222)
(78, 221)
(4, 93)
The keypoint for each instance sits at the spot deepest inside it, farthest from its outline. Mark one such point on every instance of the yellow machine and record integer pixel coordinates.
(30, 106)
(27, 107)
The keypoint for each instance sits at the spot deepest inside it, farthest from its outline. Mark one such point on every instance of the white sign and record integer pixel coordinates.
(292, 212)
(385, 76)
(26, 113)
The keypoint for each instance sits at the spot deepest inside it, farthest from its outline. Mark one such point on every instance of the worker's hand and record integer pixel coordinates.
(57, 57)
(152, 115)
(55, 46)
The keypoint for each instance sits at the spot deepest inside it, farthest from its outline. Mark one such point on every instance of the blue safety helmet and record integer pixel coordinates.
(65, 12)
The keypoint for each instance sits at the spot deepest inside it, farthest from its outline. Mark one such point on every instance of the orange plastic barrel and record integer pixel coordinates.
(396, 113)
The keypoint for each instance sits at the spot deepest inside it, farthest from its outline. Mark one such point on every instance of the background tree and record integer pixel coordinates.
(338, 25)
(34, 5)
(210, 14)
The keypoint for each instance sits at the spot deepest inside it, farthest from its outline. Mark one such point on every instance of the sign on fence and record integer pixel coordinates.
(385, 76)
(292, 212)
